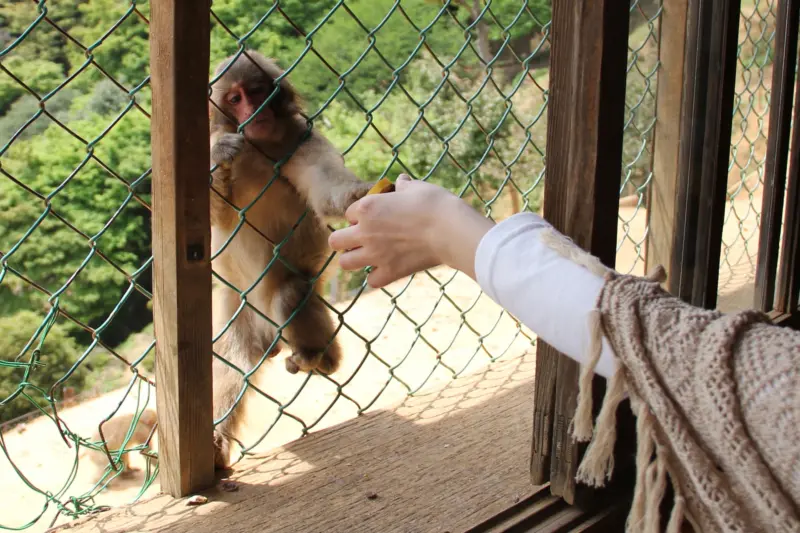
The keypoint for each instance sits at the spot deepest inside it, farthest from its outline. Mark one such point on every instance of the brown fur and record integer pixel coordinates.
(315, 177)
(115, 431)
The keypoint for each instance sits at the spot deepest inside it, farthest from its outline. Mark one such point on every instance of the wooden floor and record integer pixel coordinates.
(440, 462)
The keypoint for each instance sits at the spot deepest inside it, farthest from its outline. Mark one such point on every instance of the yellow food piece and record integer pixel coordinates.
(384, 185)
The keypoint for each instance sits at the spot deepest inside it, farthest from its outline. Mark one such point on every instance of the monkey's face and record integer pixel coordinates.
(246, 84)
(242, 101)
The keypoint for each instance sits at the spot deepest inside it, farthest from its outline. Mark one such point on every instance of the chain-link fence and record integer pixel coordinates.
(444, 93)
(74, 255)
(748, 154)
(452, 92)
(640, 122)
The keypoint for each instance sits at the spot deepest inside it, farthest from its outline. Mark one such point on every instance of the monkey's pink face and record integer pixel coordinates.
(243, 101)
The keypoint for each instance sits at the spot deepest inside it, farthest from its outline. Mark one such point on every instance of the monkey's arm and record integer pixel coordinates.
(318, 173)
(225, 147)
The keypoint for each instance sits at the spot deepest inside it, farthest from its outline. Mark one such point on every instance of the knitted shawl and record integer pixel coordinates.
(717, 404)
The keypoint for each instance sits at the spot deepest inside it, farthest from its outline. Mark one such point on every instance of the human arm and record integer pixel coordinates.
(422, 225)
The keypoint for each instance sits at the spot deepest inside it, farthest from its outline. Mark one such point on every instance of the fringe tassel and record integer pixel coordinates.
(644, 451)
(657, 274)
(582, 423)
(656, 487)
(566, 248)
(678, 510)
(598, 462)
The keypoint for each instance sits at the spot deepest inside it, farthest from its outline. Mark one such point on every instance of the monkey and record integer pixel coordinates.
(70, 397)
(115, 430)
(312, 185)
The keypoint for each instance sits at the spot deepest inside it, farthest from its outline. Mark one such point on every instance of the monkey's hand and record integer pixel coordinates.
(226, 148)
(343, 196)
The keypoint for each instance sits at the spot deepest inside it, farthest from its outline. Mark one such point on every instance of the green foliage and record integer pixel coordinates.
(57, 353)
(69, 225)
(90, 199)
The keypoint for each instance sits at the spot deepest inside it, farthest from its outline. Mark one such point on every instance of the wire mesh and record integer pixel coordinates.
(451, 97)
(451, 92)
(74, 254)
(446, 92)
(748, 152)
(640, 122)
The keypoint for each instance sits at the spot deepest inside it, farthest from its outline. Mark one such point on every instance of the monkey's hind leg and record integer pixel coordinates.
(242, 345)
(310, 332)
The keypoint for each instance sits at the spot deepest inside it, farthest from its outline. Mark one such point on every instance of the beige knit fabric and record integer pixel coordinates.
(717, 400)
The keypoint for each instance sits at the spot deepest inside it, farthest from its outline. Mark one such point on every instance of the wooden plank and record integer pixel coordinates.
(786, 320)
(667, 138)
(534, 509)
(543, 410)
(584, 144)
(712, 34)
(780, 127)
(788, 292)
(179, 58)
(444, 460)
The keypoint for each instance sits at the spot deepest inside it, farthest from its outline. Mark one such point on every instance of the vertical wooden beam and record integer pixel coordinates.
(584, 164)
(179, 59)
(666, 145)
(789, 274)
(543, 412)
(712, 34)
(780, 129)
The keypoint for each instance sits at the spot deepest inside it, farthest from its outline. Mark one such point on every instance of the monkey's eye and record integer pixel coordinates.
(235, 99)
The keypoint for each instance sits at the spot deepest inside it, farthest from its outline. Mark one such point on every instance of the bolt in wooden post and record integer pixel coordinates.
(179, 59)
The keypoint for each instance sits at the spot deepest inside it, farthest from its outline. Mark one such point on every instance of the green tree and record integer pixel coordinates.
(90, 199)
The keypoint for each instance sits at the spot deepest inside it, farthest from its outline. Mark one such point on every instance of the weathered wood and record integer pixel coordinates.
(712, 35)
(667, 138)
(179, 58)
(564, 461)
(780, 128)
(788, 292)
(444, 460)
(787, 320)
(584, 155)
(543, 410)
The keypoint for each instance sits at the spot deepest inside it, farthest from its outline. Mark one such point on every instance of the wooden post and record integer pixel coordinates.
(780, 128)
(666, 144)
(709, 82)
(179, 59)
(788, 293)
(584, 164)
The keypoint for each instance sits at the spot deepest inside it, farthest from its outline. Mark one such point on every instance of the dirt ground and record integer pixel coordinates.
(385, 329)
(41, 454)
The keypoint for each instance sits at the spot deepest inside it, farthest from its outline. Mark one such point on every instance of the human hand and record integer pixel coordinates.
(419, 226)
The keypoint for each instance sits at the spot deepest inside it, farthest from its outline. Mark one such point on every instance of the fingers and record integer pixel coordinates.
(351, 214)
(345, 239)
(381, 277)
(355, 259)
(402, 182)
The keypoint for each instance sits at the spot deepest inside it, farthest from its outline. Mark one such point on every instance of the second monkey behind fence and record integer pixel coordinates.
(277, 278)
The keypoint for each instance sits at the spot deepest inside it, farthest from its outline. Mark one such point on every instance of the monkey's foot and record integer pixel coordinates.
(221, 451)
(308, 360)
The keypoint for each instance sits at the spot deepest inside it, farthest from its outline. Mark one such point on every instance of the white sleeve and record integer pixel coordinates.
(545, 291)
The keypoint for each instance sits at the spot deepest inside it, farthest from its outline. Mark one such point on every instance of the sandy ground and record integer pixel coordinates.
(386, 330)
(739, 246)
(467, 345)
